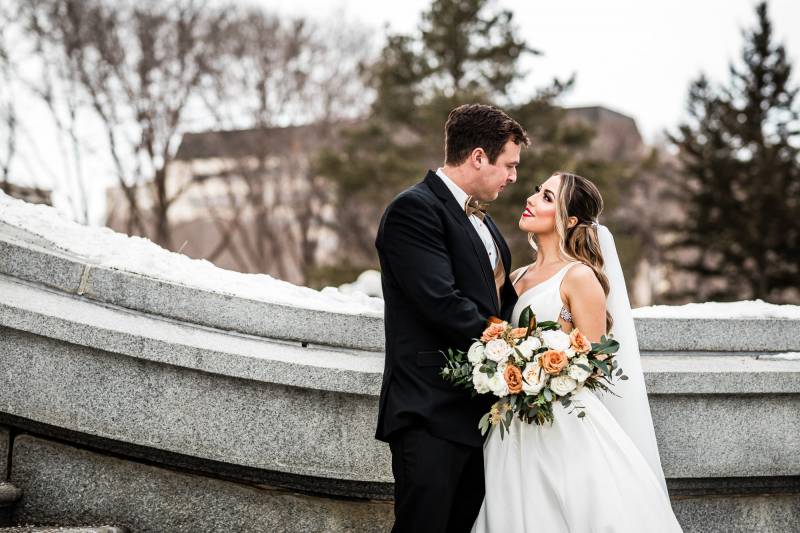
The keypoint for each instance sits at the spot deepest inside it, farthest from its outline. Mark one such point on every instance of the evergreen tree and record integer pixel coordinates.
(464, 52)
(740, 151)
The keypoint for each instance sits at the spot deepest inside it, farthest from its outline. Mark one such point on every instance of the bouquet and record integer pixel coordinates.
(530, 367)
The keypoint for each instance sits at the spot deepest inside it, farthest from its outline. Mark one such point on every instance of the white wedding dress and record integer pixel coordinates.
(576, 475)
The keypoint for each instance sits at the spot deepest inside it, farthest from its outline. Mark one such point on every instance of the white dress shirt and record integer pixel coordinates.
(477, 223)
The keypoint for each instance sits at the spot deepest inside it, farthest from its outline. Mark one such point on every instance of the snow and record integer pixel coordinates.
(103, 246)
(742, 309)
(787, 356)
(368, 282)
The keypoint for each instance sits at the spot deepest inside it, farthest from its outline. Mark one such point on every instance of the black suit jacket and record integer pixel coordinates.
(439, 291)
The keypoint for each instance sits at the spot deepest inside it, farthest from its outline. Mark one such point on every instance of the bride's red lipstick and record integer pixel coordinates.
(527, 213)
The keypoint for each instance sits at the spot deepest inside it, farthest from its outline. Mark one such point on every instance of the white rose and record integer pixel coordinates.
(480, 380)
(562, 385)
(556, 339)
(570, 352)
(498, 350)
(498, 385)
(578, 373)
(531, 378)
(527, 347)
(475, 353)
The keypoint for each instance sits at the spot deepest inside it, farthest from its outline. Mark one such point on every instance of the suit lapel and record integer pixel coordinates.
(438, 187)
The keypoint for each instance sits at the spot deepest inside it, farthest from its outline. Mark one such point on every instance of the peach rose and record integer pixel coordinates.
(494, 331)
(518, 333)
(579, 341)
(513, 378)
(553, 361)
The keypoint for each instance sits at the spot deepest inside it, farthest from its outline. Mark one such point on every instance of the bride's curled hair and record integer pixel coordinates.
(579, 197)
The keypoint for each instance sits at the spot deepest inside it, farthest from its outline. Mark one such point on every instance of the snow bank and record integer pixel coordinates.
(103, 246)
(743, 309)
(786, 356)
(368, 282)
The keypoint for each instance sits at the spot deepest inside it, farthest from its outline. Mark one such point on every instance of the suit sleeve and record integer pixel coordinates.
(414, 246)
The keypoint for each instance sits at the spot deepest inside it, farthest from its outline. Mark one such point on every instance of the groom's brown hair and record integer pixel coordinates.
(473, 126)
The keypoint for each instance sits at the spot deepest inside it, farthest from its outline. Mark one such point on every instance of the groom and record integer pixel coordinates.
(444, 269)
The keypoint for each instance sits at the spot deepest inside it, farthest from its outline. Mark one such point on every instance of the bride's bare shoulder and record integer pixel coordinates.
(581, 278)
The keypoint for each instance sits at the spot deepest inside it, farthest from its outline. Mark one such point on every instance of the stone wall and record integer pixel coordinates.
(167, 408)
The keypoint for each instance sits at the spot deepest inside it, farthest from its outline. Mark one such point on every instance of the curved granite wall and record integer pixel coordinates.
(130, 399)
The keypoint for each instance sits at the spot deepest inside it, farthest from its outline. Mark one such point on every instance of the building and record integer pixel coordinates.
(247, 200)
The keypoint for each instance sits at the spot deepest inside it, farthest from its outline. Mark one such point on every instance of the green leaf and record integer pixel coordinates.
(484, 424)
(525, 318)
(548, 395)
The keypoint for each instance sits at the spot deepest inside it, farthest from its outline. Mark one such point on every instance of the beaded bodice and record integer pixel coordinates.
(544, 298)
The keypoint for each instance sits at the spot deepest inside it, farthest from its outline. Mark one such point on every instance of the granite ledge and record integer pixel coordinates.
(77, 321)
(29, 257)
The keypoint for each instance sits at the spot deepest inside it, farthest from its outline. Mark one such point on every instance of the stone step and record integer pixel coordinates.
(64, 529)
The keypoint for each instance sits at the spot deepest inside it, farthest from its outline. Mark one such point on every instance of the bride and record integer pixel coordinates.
(601, 473)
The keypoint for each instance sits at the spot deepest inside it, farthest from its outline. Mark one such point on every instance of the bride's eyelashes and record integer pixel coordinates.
(546, 195)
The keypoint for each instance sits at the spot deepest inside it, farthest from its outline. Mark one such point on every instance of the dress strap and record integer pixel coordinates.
(565, 269)
(565, 313)
(519, 276)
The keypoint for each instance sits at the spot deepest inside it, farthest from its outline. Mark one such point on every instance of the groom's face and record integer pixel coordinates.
(494, 177)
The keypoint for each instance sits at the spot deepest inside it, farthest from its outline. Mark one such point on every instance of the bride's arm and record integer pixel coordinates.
(586, 301)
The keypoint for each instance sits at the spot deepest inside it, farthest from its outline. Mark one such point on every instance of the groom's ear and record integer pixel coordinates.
(477, 157)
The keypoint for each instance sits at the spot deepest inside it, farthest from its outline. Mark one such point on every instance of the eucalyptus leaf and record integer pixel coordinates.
(484, 425)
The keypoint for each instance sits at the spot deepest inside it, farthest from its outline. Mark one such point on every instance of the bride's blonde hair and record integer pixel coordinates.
(579, 197)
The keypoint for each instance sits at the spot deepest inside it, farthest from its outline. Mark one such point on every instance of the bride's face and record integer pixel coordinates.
(539, 215)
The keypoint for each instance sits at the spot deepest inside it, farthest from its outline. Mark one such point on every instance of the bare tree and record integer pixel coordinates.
(149, 71)
(8, 116)
(140, 66)
(285, 72)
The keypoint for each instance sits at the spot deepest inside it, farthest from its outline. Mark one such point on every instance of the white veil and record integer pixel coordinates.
(631, 409)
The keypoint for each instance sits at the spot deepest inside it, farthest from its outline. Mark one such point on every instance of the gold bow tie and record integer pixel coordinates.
(473, 207)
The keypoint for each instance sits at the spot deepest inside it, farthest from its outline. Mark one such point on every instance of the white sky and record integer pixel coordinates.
(637, 57)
